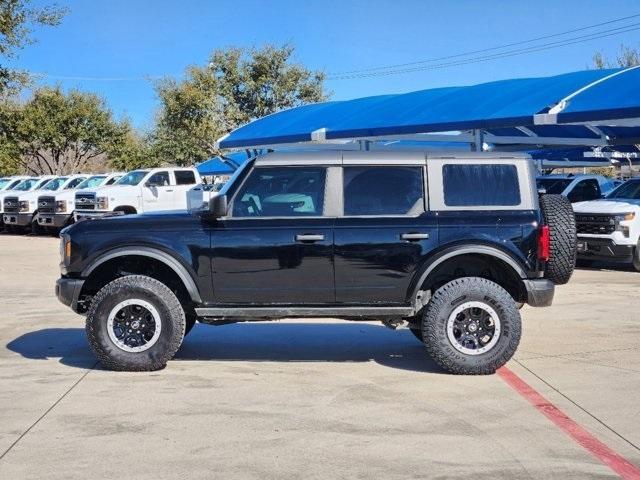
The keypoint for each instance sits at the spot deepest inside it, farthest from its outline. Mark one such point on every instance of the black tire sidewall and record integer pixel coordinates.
(446, 300)
(172, 327)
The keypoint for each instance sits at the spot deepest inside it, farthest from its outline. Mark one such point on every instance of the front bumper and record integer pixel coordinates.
(17, 219)
(539, 292)
(68, 291)
(57, 220)
(86, 215)
(604, 249)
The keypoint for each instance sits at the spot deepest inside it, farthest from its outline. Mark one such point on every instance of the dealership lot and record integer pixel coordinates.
(319, 399)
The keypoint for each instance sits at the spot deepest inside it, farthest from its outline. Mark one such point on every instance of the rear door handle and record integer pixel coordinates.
(412, 237)
(309, 238)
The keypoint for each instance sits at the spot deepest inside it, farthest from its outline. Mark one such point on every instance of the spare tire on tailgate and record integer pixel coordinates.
(558, 215)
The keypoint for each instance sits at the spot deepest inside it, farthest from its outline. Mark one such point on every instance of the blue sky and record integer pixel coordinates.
(123, 41)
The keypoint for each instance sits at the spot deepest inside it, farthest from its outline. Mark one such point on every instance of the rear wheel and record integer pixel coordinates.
(636, 259)
(135, 323)
(558, 215)
(471, 326)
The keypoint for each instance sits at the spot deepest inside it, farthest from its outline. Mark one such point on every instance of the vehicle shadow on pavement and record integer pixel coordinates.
(254, 342)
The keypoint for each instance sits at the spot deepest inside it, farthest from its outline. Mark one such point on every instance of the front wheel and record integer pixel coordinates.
(135, 323)
(471, 326)
(636, 259)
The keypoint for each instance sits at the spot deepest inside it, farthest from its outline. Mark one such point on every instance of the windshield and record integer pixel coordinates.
(55, 184)
(553, 185)
(26, 185)
(91, 182)
(4, 182)
(132, 178)
(629, 190)
(227, 186)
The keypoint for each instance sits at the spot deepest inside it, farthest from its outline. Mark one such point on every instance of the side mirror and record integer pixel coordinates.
(218, 206)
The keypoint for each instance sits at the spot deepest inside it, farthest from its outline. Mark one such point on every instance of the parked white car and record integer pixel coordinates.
(609, 229)
(55, 210)
(9, 198)
(27, 202)
(139, 191)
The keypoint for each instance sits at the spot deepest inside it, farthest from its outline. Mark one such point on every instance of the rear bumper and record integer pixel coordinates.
(53, 220)
(604, 249)
(17, 219)
(539, 292)
(68, 291)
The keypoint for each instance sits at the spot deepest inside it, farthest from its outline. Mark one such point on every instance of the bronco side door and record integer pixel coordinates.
(385, 230)
(275, 246)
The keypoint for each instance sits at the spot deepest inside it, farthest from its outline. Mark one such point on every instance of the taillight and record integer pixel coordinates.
(544, 243)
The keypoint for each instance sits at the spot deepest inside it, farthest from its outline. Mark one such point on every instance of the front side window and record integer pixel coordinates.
(553, 185)
(4, 182)
(383, 191)
(480, 185)
(281, 192)
(160, 179)
(185, 177)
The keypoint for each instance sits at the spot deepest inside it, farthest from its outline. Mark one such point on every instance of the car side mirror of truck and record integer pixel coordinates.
(218, 206)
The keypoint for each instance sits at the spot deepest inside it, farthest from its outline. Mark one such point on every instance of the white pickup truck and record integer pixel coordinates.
(609, 229)
(139, 191)
(9, 199)
(55, 210)
(27, 214)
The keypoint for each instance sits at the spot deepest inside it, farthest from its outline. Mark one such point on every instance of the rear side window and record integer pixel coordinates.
(185, 177)
(383, 191)
(160, 179)
(480, 185)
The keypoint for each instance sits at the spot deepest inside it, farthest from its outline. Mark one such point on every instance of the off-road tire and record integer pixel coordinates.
(558, 215)
(444, 302)
(152, 291)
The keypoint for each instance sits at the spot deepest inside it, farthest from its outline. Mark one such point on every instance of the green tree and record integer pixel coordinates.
(17, 21)
(627, 57)
(237, 86)
(56, 132)
(128, 150)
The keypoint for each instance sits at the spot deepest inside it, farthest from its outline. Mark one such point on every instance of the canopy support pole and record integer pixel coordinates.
(478, 140)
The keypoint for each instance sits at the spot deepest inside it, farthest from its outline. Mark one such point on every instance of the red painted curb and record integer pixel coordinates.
(595, 447)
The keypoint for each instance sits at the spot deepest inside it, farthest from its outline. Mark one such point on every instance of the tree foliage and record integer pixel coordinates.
(57, 132)
(237, 86)
(17, 20)
(627, 57)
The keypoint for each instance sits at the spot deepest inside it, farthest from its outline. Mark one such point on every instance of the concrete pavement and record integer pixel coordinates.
(319, 399)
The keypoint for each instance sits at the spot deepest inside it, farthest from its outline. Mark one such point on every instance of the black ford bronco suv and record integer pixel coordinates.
(450, 247)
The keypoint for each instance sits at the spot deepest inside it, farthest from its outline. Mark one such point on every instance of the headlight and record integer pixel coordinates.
(623, 217)
(24, 206)
(61, 206)
(102, 203)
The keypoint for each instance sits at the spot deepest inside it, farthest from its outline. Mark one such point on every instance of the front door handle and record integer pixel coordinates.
(412, 237)
(309, 238)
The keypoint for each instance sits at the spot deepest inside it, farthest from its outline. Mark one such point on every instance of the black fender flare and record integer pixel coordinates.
(466, 249)
(150, 252)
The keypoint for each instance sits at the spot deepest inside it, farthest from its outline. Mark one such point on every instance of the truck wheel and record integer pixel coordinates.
(471, 326)
(135, 323)
(558, 215)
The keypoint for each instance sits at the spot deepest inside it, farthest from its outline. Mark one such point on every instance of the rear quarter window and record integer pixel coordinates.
(467, 185)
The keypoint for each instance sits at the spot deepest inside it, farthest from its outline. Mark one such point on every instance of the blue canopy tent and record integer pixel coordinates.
(593, 108)
(225, 165)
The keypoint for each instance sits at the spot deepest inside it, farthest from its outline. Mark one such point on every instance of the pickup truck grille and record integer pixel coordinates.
(595, 224)
(47, 204)
(85, 201)
(11, 205)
